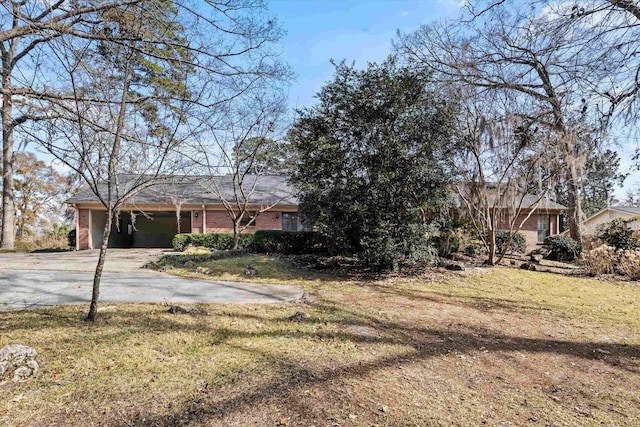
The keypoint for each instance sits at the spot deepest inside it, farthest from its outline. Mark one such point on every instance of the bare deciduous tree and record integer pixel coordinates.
(155, 72)
(29, 28)
(252, 125)
(499, 156)
(513, 51)
(602, 35)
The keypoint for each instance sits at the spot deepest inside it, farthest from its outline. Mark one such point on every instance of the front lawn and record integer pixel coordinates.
(497, 346)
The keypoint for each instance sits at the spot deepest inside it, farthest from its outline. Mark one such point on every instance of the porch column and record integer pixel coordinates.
(204, 219)
(77, 221)
(90, 228)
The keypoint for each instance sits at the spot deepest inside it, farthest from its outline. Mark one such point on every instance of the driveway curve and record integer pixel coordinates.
(47, 279)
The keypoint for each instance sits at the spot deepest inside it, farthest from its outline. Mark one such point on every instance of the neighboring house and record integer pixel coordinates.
(591, 224)
(154, 222)
(543, 221)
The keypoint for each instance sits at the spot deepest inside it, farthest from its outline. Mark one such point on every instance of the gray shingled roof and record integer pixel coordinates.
(528, 200)
(546, 203)
(629, 209)
(269, 189)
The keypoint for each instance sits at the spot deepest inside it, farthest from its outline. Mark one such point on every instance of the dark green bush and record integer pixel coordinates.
(379, 251)
(619, 235)
(287, 242)
(563, 248)
(446, 243)
(71, 238)
(518, 242)
(385, 250)
(475, 248)
(218, 241)
(417, 246)
(180, 242)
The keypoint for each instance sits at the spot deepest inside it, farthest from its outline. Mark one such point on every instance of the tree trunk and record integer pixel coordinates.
(236, 237)
(505, 248)
(178, 207)
(491, 237)
(111, 177)
(8, 207)
(574, 211)
(93, 308)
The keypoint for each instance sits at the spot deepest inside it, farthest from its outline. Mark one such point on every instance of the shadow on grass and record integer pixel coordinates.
(427, 343)
(325, 314)
(330, 321)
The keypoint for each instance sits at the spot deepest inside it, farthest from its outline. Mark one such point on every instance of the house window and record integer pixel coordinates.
(544, 227)
(291, 222)
(248, 215)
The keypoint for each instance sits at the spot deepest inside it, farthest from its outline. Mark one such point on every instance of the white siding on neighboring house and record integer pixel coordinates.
(592, 223)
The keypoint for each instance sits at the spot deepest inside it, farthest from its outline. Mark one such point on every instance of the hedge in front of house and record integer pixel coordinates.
(563, 248)
(518, 242)
(218, 241)
(285, 242)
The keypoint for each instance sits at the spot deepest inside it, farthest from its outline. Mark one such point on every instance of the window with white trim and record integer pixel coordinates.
(248, 215)
(544, 227)
(291, 221)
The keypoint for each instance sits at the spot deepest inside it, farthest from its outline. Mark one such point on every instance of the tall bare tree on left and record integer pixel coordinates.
(139, 81)
(28, 27)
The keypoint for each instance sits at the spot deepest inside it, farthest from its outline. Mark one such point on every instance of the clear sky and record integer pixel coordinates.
(362, 31)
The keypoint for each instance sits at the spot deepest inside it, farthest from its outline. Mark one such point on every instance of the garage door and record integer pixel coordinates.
(153, 230)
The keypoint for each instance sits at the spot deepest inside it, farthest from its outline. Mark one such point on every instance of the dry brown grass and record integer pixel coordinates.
(496, 347)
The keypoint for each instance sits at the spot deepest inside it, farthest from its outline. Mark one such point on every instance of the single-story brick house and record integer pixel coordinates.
(154, 221)
(543, 221)
(148, 218)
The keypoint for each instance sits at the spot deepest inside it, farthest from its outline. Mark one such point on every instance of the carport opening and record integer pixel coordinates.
(152, 230)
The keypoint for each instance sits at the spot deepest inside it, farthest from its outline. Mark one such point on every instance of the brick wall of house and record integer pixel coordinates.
(196, 223)
(530, 228)
(269, 220)
(219, 222)
(82, 233)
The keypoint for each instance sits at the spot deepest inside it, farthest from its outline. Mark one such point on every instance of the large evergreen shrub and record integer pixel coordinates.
(374, 162)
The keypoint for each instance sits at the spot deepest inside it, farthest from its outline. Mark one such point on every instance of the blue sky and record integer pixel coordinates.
(360, 31)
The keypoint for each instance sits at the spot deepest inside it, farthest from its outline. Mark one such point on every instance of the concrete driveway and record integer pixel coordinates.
(46, 279)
